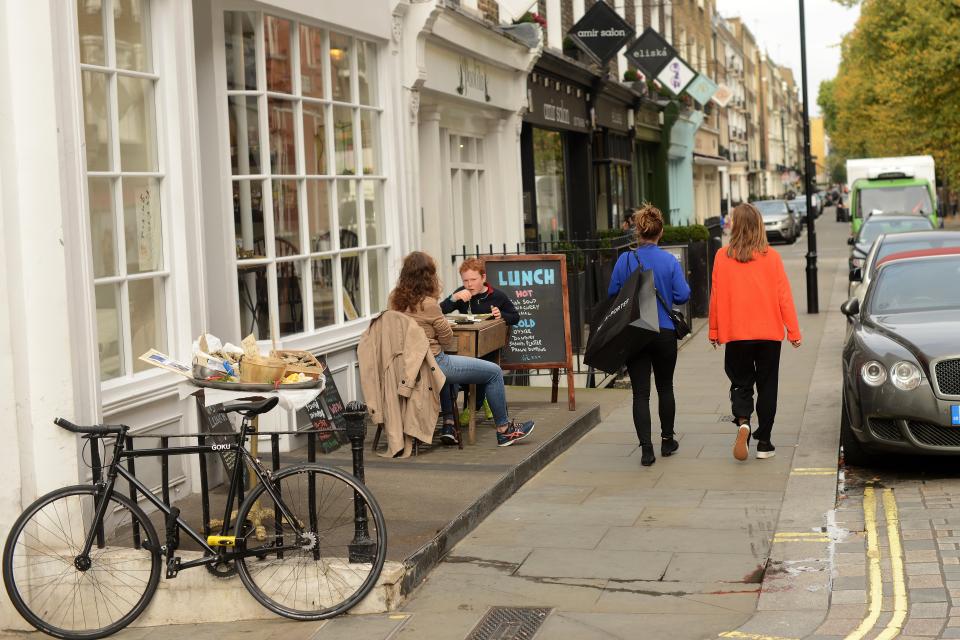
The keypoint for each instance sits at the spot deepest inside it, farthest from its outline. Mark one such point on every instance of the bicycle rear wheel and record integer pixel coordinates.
(334, 566)
(69, 596)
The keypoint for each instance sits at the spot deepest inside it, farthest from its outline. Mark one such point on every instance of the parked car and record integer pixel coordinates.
(901, 360)
(779, 220)
(878, 224)
(799, 206)
(887, 244)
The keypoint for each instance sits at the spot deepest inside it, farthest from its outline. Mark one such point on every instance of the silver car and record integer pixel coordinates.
(779, 220)
(901, 359)
(889, 243)
(876, 225)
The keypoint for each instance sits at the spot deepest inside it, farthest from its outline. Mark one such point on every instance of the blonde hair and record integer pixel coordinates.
(747, 234)
(647, 223)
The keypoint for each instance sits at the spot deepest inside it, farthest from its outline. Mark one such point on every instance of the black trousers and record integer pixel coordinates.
(661, 356)
(749, 364)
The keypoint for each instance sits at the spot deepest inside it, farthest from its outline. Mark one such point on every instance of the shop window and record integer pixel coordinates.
(467, 189)
(307, 178)
(124, 211)
(550, 188)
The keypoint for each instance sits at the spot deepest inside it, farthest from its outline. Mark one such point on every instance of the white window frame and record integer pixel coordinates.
(308, 337)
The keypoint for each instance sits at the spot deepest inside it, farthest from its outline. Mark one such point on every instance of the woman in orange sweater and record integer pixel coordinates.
(750, 305)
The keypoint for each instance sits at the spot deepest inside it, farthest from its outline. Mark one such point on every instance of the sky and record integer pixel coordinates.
(776, 26)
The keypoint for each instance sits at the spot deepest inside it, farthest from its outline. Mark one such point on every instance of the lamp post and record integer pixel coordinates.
(813, 304)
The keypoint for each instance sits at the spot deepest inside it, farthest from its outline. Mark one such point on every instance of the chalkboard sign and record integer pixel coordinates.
(537, 286)
(325, 413)
(217, 423)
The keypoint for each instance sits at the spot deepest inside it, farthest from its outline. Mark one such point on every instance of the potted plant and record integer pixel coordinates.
(633, 78)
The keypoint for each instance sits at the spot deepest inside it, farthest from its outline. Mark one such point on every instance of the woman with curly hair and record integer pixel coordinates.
(416, 295)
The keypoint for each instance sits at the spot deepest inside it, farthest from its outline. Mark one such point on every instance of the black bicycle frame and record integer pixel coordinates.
(216, 555)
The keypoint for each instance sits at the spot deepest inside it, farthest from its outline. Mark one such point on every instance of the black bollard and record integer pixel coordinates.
(361, 548)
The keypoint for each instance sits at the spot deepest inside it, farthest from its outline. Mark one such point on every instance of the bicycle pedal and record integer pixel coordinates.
(222, 541)
(173, 567)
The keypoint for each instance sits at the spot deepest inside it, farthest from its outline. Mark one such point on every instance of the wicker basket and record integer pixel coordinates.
(309, 366)
(261, 370)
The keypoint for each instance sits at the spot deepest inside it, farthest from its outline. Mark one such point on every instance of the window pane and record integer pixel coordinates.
(549, 178)
(377, 275)
(142, 224)
(323, 291)
(314, 139)
(131, 32)
(369, 138)
(90, 27)
(248, 219)
(340, 67)
(148, 325)
(290, 296)
(239, 39)
(252, 290)
(347, 209)
(282, 149)
(96, 126)
(311, 62)
(286, 218)
(318, 214)
(343, 141)
(367, 72)
(138, 150)
(108, 330)
(102, 223)
(277, 49)
(373, 210)
(244, 135)
(350, 270)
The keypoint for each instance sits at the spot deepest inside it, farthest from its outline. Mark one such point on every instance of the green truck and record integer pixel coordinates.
(904, 185)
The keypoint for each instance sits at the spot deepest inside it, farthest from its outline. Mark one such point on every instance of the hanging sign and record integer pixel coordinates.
(723, 95)
(702, 88)
(601, 32)
(676, 76)
(650, 53)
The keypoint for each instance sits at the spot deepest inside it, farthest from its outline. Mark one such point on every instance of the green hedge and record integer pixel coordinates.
(681, 235)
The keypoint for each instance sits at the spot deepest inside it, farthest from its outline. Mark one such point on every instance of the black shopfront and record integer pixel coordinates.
(555, 149)
(613, 155)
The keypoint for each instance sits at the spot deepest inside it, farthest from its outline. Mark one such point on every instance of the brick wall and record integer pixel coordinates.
(490, 10)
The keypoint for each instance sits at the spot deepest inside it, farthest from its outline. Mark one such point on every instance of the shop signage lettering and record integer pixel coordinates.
(556, 107)
(473, 76)
(601, 32)
(611, 114)
(650, 53)
(556, 113)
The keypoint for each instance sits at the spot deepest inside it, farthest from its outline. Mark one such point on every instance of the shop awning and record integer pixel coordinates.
(714, 161)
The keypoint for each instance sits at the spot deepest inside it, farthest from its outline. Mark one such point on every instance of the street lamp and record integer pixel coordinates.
(813, 304)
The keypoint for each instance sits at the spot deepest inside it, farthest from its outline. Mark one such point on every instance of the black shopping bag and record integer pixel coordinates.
(624, 325)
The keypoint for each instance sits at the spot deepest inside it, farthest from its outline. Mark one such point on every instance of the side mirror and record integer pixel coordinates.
(851, 240)
(856, 274)
(851, 307)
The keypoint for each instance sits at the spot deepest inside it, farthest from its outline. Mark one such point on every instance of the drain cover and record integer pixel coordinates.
(727, 418)
(509, 623)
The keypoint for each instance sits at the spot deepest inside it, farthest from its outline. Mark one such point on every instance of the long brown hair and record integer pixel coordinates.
(747, 234)
(647, 223)
(418, 280)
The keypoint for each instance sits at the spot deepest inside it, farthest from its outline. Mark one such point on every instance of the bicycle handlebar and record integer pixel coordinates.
(103, 429)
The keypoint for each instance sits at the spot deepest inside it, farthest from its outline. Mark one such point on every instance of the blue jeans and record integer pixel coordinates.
(463, 370)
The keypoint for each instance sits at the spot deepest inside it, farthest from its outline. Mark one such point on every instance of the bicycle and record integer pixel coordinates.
(84, 561)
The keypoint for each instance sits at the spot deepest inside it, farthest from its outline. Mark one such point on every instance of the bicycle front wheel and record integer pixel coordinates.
(323, 562)
(66, 594)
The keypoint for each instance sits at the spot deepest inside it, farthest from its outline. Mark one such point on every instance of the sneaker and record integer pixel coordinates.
(765, 449)
(465, 417)
(447, 434)
(515, 432)
(646, 456)
(487, 411)
(740, 450)
(668, 447)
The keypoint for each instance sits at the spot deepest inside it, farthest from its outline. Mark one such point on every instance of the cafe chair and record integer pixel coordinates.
(447, 388)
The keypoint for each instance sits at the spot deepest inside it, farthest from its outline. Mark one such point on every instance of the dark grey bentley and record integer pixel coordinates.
(901, 360)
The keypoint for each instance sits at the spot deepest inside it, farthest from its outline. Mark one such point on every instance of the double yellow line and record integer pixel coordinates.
(874, 575)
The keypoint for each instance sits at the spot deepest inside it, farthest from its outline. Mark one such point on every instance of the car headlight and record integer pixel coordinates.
(905, 375)
(873, 373)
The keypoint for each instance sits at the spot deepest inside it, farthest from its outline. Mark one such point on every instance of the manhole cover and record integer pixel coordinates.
(509, 623)
(727, 418)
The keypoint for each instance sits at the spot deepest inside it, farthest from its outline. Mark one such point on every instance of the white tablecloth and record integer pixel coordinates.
(290, 399)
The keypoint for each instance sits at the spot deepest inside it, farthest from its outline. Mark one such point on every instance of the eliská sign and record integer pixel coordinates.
(650, 53)
(601, 32)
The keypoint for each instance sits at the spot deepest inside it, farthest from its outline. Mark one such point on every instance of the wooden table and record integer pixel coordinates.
(476, 340)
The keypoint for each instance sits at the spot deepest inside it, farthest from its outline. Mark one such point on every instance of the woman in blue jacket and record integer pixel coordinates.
(661, 353)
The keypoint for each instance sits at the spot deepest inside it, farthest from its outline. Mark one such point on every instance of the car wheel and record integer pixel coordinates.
(793, 238)
(853, 452)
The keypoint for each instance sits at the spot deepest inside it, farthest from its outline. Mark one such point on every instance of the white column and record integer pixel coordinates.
(578, 10)
(554, 25)
(432, 179)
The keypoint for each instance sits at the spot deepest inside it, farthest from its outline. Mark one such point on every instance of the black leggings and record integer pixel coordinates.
(749, 364)
(661, 356)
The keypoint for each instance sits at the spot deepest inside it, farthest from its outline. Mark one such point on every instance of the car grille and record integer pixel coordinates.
(948, 377)
(934, 435)
(886, 429)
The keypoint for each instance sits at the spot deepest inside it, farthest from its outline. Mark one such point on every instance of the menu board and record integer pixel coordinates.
(537, 286)
(215, 421)
(325, 413)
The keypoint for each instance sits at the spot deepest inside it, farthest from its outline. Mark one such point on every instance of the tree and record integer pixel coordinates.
(897, 90)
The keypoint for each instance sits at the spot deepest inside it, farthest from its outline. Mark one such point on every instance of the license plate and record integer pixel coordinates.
(955, 414)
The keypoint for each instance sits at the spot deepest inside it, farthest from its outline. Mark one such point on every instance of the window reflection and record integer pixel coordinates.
(277, 51)
(244, 135)
(248, 219)
(343, 141)
(240, 45)
(340, 66)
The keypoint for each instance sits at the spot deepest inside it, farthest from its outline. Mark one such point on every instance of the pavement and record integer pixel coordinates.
(697, 545)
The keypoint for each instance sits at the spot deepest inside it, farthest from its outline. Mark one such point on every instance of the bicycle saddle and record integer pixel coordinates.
(252, 408)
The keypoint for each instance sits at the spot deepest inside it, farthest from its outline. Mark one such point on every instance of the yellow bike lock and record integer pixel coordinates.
(221, 541)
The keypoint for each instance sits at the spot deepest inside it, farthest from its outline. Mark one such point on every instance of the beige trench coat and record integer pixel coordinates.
(400, 379)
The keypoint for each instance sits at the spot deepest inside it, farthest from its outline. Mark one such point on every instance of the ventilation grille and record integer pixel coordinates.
(948, 377)
(934, 435)
(886, 429)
